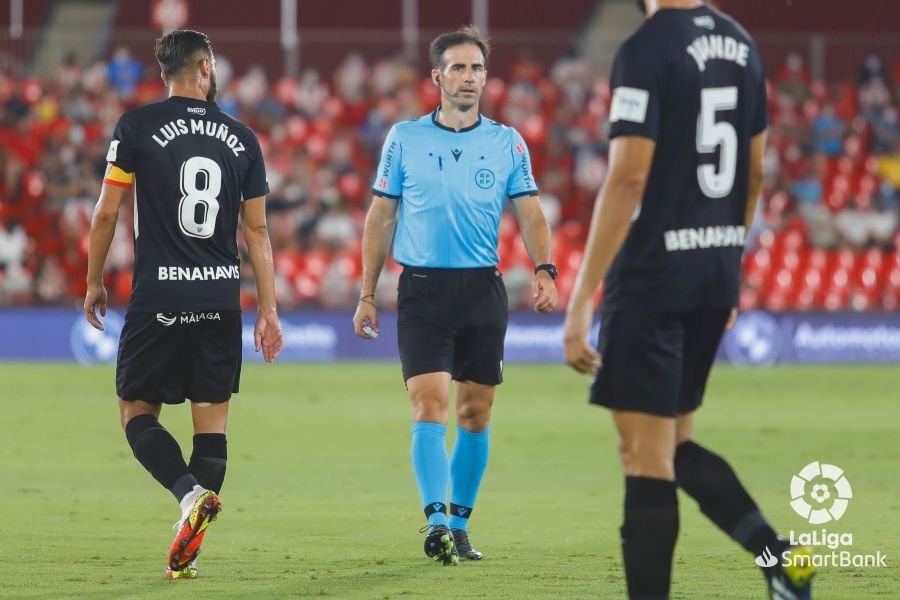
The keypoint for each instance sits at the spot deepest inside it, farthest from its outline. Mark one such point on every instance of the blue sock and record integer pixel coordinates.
(470, 458)
(432, 469)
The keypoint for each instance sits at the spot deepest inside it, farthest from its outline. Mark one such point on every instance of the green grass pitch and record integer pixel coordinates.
(320, 498)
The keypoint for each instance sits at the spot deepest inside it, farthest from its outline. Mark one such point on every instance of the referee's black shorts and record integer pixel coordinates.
(167, 357)
(656, 362)
(454, 321)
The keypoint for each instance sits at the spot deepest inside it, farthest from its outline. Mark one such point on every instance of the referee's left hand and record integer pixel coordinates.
(544, 292)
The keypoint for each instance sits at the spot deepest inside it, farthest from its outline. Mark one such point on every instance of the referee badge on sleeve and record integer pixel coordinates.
(629, 104)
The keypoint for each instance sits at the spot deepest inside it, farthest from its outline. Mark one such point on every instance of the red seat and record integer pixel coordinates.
(812, 278)
(349, 265)
(862, 300)
(846, 259)
(287, 264)
(791, 259)
(315, 263)
(806, 299)
(875, 258)
(835, 299)
(892, 281)
(767, 239)
(836, 200)
(306, 288)
(748, 299)
(573, 261)
(867, 278)
(820, 259)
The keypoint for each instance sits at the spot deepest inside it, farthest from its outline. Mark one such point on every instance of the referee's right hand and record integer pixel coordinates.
(366, 314)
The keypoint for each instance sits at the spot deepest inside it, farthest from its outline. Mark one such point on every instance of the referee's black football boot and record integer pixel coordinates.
(439, 544)
(463, 547)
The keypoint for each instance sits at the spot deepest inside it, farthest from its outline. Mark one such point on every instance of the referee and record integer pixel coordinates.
(439, 192)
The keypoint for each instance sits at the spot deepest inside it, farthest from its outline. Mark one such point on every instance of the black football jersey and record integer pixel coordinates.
(692, 80)
(193, 165)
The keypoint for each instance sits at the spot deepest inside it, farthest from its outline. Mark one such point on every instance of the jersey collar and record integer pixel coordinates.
(437, 123)
(192, 101)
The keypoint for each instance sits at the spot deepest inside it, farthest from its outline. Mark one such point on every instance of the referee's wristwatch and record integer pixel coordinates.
(549, 267)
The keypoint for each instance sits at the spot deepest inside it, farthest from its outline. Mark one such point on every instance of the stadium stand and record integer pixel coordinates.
(826, 238)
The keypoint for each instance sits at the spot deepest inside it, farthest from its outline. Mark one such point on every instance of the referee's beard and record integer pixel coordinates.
(455, 101)
(464, 107)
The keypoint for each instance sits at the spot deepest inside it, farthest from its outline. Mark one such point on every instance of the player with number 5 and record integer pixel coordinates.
(195, 171)
(688, 128)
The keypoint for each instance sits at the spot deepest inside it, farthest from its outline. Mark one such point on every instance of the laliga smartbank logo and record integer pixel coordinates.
(820, 493)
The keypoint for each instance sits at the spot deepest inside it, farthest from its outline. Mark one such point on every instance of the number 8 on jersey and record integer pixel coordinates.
(198, 208)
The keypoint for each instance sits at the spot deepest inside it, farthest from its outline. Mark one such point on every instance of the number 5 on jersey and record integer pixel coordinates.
(199, 208)
(717, 182)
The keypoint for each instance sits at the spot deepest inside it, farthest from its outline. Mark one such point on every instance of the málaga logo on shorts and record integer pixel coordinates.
(484, 178)
(168, 319)
(164, 319)
(197, 110)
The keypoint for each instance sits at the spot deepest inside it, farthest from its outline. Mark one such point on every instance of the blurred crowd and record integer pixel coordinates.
(832, 172)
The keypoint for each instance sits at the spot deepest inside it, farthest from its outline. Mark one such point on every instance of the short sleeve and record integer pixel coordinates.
(255, 182)
(761, 114)
(123, 146)
(635, 105)
(521, 180)
(389, 176)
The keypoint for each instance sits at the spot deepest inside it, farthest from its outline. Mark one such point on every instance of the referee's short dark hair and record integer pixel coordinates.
(179, 49)
(464, 35)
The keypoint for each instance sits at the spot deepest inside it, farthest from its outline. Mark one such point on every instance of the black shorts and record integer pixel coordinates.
(656, 362)
(167, 357)
(454, 321)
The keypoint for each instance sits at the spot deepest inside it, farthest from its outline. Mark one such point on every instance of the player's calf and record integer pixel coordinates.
(710, 480)
(209, 459)
(160, 454)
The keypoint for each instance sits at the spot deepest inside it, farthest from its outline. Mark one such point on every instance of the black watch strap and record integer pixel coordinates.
(549, 267)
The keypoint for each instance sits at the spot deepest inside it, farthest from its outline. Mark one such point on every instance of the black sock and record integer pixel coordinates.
(160, 454)
(711, 481)
(648, 536)
(208, 460)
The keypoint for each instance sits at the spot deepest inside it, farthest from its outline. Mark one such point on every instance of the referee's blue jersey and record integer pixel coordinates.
(452, 186)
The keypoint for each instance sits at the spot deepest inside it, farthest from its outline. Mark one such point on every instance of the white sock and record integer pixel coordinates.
(188, 501)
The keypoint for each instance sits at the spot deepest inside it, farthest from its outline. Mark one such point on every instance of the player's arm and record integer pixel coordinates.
(267, 333)
(630, 158)
(116, 187)
(754, 185)
(536, 235)
(377, 235)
